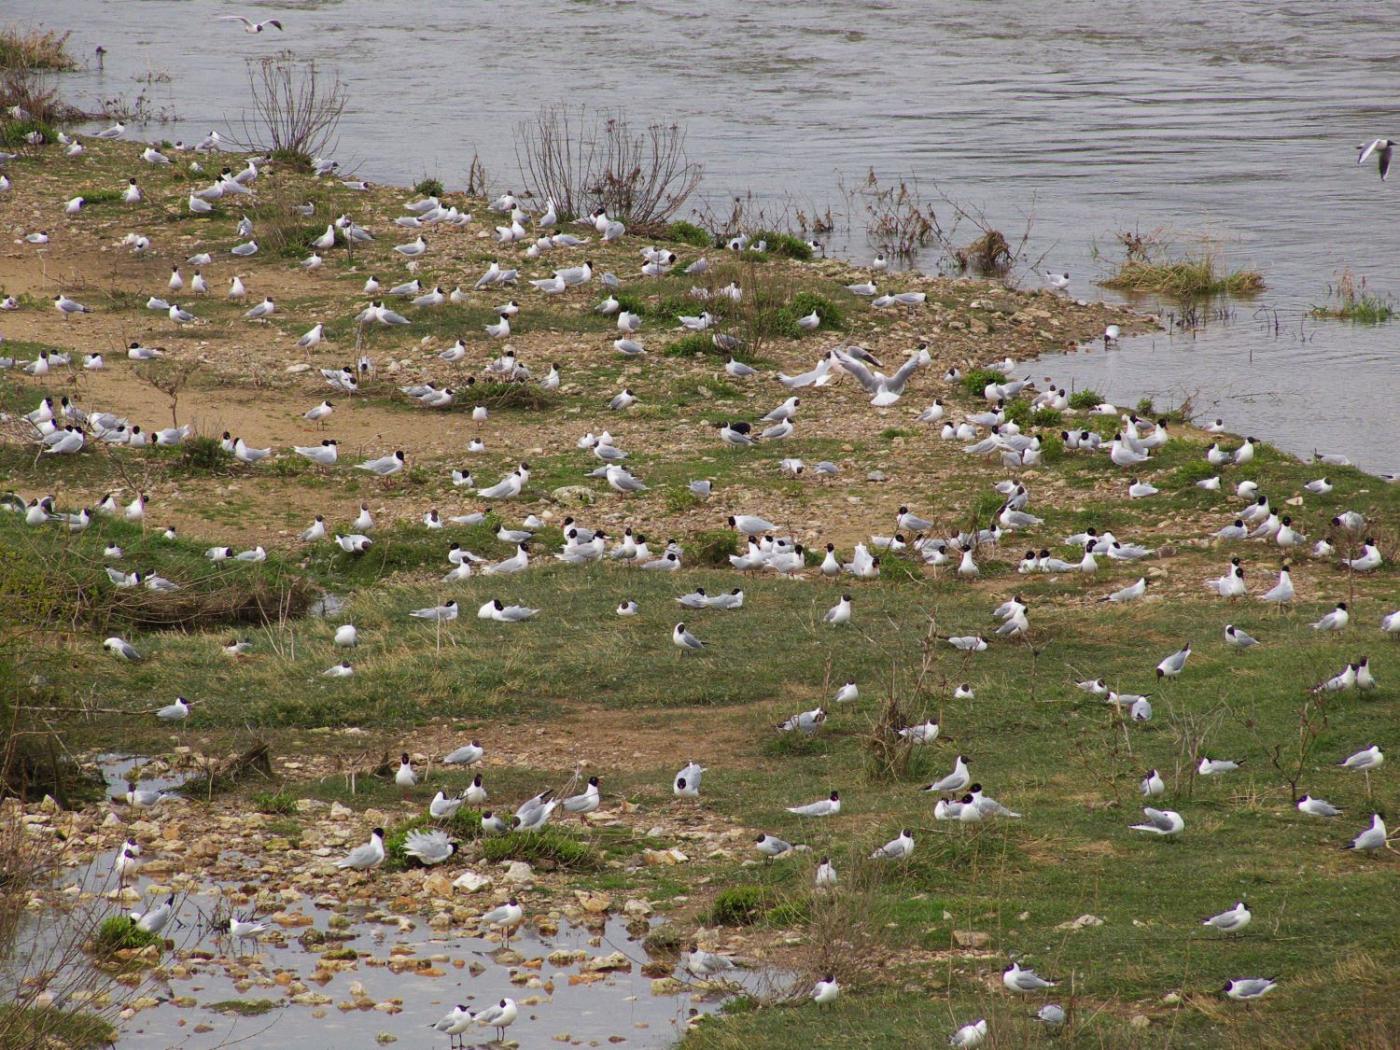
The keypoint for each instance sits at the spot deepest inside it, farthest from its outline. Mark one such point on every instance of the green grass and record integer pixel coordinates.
(784, 244)
(49, 1026)
(1362, 308)
(689, 233)
(740, 905)
(549, 846)
(1083, 400)
(1324, 918)
(279, 802)
(429, 187)
(692, 344)
(976, 381)
(119, 933)
(804, 303)
(15, 132)
(463, 826)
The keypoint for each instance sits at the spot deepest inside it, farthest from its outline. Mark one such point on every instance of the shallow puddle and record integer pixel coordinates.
(281, 991)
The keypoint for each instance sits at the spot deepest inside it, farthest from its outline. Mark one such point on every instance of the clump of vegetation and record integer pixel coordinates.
(990, 255)
(34, 49)
(50, 1026)
(17, 132)
(283, 803)
(1148, 266)
(462, 826)
(120, 933)
(1083, 400)
(429, 187)
(741, 905)
(511, 395)
(547, 846)
(689, 233)
(664, 940)
(975, 382)
(784, 244)
(712, 548)
(244, 1007)
(1350, 301)
(205, 455)
(804, 303)
(692, 344)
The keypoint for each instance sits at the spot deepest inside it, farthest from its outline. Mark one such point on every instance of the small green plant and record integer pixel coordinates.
(429, 187)
(204, 454)
(712, 548)
(1352, 302)
(70, 1029)
(17, 132)
(741, 905)
(664, 940)
(1145, 407)
(1019, 412)
(1046, 417)
(1186, 475)
(1083, 400)
(976, 381)
(784, 244)
(281, 803)
(689, 233)
(120, 933)
(692, 344)
(796, 744)
(804, 303)
(890, 433)
(549, 845)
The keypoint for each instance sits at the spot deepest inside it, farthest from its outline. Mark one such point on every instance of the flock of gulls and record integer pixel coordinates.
(1255, 525)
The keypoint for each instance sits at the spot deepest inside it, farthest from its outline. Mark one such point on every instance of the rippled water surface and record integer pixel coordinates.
(1235, 122)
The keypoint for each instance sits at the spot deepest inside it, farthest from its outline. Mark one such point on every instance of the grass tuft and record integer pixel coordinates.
(692, 344)
(547, 846)
(784, 244)
(1352, 302)
(1192, 277)
(975, 382)
(120, 933)
(741, 905)
(689, 233)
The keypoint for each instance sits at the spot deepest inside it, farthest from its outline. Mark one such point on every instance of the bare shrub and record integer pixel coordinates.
(585, 160)
(296, 108)
(898, 221)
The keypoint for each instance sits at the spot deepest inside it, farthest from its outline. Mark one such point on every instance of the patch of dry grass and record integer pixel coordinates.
(31, 48)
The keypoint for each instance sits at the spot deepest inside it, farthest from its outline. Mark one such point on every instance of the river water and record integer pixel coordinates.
(1233, 125)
